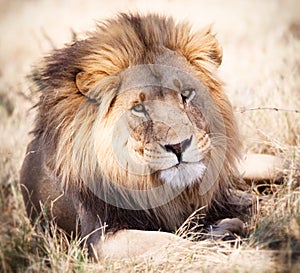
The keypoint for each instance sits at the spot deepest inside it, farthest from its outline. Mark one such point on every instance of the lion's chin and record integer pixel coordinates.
(183, 174)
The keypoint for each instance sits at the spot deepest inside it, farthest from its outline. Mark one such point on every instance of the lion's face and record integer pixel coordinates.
(157, 129)
(163, 135)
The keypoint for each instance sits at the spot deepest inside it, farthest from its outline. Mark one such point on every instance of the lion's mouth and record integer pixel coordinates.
(183, 174)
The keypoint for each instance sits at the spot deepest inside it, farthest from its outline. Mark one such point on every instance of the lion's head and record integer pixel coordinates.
(138, 107)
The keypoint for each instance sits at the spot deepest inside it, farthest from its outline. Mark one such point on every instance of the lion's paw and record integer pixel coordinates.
(227, 229)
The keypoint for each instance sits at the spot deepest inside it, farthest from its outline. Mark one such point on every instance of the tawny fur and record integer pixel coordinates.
(69, 108)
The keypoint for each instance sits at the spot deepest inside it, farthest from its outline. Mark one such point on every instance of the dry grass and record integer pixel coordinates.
(261, 67)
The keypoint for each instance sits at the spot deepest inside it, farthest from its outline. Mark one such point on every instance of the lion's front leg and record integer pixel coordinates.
(132, 243)
(125, 243)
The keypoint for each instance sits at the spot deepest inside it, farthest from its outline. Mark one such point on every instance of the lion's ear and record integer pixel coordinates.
(84, 81)
(98, 89)
(215, 52)
(203, 47)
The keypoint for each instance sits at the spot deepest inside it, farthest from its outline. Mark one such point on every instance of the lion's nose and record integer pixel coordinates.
(179, 148)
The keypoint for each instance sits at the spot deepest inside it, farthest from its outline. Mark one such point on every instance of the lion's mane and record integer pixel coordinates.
(66, 77)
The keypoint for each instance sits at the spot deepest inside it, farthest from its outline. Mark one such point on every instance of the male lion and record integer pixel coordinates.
(133, 134)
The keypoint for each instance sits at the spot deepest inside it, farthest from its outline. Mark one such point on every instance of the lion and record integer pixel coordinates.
(133, 134)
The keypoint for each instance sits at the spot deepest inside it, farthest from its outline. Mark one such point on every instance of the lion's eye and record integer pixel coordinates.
(188, 94)
(138, 108)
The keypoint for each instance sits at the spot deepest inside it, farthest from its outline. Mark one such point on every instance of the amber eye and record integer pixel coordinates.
(188, 94)
(138, 108)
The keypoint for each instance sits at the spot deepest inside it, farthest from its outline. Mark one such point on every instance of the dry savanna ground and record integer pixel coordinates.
(261, 69)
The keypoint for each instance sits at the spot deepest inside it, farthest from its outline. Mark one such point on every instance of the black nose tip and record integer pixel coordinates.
(179, 148)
